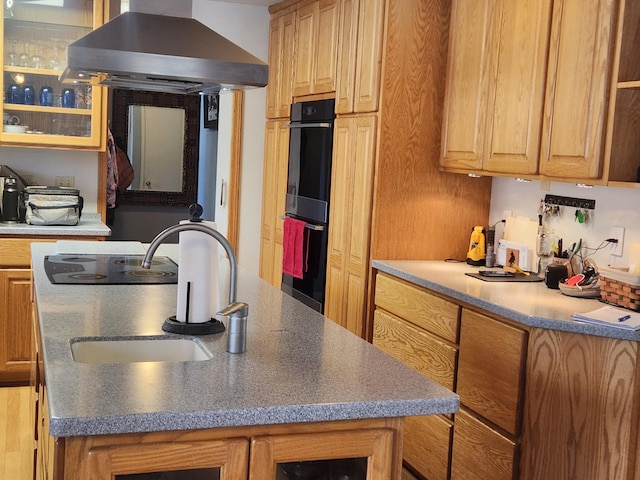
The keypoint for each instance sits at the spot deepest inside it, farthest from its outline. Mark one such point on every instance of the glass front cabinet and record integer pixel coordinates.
(39, 109)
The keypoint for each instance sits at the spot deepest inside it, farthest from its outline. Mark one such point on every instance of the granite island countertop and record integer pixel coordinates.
(298, 366)
(528, 303)
(90, 225)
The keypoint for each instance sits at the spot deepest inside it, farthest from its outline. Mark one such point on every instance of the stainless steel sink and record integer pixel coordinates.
(138, 349)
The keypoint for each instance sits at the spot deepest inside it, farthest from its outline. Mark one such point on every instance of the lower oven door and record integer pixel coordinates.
(310, 288)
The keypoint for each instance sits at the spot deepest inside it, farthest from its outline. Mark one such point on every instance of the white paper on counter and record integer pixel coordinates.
(198, 276)
(524, 231)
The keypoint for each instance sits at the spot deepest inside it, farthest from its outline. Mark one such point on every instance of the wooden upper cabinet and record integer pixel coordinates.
(359, 56)
(527, 87)
(464, 117)
(580, 57)
(517, 87)
(281, 54)
(493, 100)
(316, 48)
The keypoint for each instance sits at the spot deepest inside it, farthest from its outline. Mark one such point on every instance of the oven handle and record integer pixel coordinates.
(310, 226)
(309, 125)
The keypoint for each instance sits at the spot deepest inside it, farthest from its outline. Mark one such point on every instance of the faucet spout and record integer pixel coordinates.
(236, 312)
(204, 228)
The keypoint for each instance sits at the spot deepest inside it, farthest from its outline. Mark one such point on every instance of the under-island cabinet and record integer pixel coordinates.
(541, 396)
(308, 399)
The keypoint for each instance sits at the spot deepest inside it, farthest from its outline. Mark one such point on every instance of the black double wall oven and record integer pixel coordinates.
(308, 193)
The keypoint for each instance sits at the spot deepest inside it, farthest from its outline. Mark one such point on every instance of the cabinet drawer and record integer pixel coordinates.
(16, 252)
(491, 369)
(426, 445)
(421, 308)
(480, 453)
(416, 348)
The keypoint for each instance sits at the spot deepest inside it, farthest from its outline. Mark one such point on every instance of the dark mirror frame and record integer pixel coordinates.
(121, 100)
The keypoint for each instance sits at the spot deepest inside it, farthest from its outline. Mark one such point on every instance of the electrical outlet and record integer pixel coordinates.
(65, 181)
(617, 233)
(506, 214)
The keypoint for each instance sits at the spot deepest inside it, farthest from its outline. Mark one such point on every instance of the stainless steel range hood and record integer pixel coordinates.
(163, 53)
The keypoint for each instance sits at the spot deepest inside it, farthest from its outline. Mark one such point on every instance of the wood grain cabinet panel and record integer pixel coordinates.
(464, 120)
(229, 457)
(417, 348)
(15, 328)
(427, 441)
(582, 418)
(359, 56)
(491, 370)
(274, 189)
(481, 453)
(316, 48)
(376, 445)
(350, 221)
(580, 56)
(528, 86)
(493, 102)
(427, 311)
(281, 57)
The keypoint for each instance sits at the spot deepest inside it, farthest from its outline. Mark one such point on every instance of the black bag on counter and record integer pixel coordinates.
(52, 205)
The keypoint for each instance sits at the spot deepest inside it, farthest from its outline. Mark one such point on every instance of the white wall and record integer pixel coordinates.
(44, 165)
(614, 207)
(248, 27)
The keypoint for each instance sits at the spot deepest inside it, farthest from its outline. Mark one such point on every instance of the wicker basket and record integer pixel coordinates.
(619, 287)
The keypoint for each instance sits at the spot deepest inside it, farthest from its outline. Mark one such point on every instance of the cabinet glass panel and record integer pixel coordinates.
(339, 469)
(195, 474)
(38, 107)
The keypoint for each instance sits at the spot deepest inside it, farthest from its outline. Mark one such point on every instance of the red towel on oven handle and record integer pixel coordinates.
(293, 247)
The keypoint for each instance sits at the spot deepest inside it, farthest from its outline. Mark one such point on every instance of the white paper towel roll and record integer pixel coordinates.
(198, 284)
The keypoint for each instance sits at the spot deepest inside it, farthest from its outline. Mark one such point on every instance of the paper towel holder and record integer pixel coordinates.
(237, 312)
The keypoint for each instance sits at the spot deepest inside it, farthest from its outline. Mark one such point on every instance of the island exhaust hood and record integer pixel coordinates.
(147, 51)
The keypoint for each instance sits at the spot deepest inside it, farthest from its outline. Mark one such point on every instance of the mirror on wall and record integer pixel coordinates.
(160, 133)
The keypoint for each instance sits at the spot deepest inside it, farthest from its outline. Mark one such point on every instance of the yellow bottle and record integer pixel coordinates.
(477, 247)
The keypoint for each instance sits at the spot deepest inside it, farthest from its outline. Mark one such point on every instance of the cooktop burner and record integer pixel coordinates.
(108, 269)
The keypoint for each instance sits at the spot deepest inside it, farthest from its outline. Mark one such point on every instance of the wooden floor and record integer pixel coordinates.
(16, 433)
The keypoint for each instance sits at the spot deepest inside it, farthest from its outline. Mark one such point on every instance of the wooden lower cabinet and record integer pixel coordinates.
(427, 441)
(536, 404)
(362, 449)
(477, 356)
(15, 312)
(15, 327)
(480, 452)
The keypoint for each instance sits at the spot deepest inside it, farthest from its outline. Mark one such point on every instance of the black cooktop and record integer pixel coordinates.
(108, 269)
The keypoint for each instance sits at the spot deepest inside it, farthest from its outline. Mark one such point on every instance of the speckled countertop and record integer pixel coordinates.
(531, 304)
(90, 225)
(298, 367)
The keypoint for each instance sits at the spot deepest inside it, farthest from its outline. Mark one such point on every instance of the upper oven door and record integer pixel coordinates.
(310, 152)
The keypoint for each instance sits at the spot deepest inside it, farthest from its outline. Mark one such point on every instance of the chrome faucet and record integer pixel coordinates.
(236, 312)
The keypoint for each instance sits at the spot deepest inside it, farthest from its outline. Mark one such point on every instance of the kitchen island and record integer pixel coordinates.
(541, 395)
(305, 389)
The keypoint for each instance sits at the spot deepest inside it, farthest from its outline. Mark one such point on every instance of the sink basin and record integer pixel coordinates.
(141, 349)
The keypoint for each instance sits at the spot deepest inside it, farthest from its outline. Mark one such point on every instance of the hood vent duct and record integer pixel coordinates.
(162, 53)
